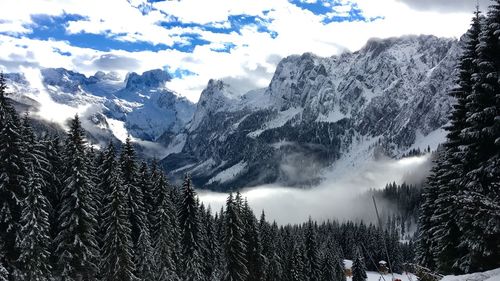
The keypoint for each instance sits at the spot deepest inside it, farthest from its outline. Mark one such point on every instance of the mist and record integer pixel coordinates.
(49, 109)
(337, 197)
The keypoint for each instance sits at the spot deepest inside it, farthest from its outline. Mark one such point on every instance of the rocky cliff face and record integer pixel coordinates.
(385, 97)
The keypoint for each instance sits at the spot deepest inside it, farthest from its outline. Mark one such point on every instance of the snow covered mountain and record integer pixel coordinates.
(317, 112)
(140, 105)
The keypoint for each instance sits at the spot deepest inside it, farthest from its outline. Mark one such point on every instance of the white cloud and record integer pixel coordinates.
(298, 31)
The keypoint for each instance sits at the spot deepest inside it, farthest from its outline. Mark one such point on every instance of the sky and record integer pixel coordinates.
(238, 41)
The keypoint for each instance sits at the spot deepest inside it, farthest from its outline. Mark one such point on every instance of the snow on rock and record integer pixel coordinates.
(280, 120)
(432, 140)
(217, 96)
(229, 173)
(141, 105)
(118, 129)
(332, 116)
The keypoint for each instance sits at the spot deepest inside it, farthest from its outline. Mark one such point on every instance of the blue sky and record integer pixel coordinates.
(240, 41)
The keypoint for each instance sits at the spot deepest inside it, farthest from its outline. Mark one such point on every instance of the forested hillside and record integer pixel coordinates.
(72, 212)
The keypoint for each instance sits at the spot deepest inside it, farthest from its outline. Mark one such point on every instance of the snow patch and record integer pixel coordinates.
(229, 173)
(332, 117)
(280, 120)
(118, 129)
(432, 140)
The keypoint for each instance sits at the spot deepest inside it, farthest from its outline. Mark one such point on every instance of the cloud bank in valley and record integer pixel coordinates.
(337, 197)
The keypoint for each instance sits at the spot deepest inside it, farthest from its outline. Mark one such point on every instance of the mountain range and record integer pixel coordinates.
(317, 113)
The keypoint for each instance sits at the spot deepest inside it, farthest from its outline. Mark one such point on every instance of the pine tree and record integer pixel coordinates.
(274, 268)
(209, 248)
(234, 248)
(312, 259)
(12, 176)
(4, 274)
(296, 269)
(54, 186)
(134, 193)
(253, 246)
(328, 267)
(35, 238)
(117, 254)
(332, 267)
(426, 243)
(146, 186)
(479, 210)
(358, 268)
(144, 259)
(76, 243)
(165, 234)
(189, 226)
(445, 230)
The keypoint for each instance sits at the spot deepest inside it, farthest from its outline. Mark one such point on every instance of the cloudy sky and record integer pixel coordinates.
(240, 41)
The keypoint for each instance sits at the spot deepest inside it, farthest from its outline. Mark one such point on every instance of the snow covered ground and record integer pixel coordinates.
(375, 276)
(492, 275)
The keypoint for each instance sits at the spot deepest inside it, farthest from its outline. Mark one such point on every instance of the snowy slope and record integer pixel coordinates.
(491, 275)
(141, 105)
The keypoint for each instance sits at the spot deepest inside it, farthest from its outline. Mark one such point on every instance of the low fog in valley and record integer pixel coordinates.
(337, 197)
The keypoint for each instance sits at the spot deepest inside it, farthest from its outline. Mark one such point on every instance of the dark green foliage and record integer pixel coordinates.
(311, 251)
(253, 246)
(135, 197)
(480, 187)
(165, 233)
(12, 176)
(332, 267)
(117, 262)
(76, 243)
(297, 268)
(234, 247)
(35, 240)
(460, 218)
(359, 267)
(145, 264)
(189, 226)
(145, 184)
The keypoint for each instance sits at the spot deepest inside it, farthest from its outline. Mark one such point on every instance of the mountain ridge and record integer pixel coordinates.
(317, 109)
(385, 98)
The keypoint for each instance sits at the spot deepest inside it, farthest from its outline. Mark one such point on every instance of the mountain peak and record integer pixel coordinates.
(155, 78)
(101, 75)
